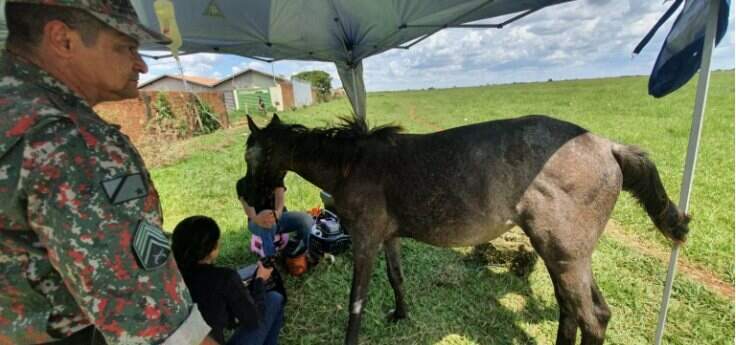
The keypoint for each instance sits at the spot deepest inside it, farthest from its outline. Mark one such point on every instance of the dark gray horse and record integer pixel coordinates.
(466, 186)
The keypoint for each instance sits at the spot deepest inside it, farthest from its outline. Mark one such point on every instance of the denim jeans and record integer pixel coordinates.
(299, 222)
(268, 332)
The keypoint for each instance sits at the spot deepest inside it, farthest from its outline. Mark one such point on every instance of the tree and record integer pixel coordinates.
(319, 79)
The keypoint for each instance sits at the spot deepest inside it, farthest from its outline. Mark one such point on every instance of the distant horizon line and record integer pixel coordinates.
(526, 82)
(477, 85)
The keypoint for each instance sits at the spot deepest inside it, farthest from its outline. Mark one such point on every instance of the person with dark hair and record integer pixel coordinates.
(268, 216)
(83, 256)
(219, 292)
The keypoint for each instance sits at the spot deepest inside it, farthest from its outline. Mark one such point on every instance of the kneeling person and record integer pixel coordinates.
(267, 215)
(219, 292)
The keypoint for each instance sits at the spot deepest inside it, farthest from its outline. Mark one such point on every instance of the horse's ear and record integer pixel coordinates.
(252, 125)
(275, 119)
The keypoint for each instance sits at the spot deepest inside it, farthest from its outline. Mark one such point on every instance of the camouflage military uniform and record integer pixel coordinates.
(80, 238)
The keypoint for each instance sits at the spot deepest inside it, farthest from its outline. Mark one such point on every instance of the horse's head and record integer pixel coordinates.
(265, 155)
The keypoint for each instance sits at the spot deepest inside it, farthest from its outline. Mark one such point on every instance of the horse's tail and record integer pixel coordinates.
(640, 178)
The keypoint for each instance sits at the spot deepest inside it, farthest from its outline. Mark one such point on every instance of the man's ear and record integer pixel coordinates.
(59, 39)
(252, 125)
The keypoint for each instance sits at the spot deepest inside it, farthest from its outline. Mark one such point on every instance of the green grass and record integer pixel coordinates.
(453, 301)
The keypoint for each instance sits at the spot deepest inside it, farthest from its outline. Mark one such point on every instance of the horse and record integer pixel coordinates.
(468, 185)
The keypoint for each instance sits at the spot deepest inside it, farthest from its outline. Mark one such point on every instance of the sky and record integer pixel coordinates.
(579, 39)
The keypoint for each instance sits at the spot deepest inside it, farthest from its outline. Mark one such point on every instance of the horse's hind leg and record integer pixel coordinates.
(395, 277)
(602, 312)
(567, 326)
(567, 252)
(577, 295)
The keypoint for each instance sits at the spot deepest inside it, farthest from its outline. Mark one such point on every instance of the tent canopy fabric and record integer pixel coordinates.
(680, 55)
(341, 31)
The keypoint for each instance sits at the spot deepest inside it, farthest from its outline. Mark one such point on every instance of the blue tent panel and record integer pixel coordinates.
(681, 52)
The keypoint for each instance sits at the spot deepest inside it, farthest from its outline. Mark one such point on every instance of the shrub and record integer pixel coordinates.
(206, 117)
(165, 123)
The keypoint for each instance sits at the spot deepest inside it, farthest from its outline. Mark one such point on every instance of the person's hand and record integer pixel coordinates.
(243, 203)
(263, 272)
(265, 219)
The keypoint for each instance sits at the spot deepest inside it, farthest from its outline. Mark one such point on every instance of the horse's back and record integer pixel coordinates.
(467, 183)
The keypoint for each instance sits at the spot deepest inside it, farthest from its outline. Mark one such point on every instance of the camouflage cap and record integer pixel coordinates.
(119, 14)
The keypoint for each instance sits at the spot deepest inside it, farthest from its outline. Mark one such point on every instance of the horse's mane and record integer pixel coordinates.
(341, 142)
(348, 129)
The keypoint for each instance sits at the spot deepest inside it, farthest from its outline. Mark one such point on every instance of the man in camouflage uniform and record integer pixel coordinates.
(80, 221)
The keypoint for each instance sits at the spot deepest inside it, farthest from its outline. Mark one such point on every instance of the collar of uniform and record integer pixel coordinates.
(72, 105)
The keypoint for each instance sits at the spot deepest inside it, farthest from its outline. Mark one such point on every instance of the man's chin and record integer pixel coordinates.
(129, 93)
(120, 95)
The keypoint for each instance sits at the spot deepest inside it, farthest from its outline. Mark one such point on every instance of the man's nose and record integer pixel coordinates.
(140, 66)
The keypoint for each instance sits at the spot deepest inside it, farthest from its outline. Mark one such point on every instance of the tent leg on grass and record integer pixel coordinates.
(692, 154)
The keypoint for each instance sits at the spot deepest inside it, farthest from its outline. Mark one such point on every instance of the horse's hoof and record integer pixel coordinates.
(394, 315)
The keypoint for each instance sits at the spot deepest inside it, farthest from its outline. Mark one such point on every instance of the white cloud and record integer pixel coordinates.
(256, 65)
(590, 38)
(200, 64)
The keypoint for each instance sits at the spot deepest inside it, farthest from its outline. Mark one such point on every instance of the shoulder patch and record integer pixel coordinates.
(150, 246)
(125, 188)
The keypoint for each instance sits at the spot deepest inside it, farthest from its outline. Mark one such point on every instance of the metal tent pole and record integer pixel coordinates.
(360, 113)
(692, 155)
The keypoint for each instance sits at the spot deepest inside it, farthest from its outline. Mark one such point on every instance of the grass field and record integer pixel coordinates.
(456, 301)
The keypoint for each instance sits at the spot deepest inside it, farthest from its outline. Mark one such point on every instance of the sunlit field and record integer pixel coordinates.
(456, 301)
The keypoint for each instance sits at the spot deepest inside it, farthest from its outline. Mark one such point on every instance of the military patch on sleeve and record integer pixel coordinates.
(125, 188)
(150, 246)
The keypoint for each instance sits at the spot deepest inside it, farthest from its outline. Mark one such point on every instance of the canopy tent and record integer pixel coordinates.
(341, 31)
(347, 31)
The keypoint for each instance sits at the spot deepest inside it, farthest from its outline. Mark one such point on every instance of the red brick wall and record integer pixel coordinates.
(133, 115)
(129, 114)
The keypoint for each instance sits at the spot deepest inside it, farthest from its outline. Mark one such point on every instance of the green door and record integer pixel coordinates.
(248, 100)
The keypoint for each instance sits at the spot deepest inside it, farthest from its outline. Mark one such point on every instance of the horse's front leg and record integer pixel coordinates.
(392, 248)
(365, 250)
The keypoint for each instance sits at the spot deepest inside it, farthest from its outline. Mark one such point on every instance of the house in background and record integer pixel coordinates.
(302, 92)
(242, 90)
(176, 83)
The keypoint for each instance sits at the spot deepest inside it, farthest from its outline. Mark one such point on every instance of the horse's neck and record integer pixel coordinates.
(319, 168)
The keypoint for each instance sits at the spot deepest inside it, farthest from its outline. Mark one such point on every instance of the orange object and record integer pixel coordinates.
(315, 211)
(297, 265)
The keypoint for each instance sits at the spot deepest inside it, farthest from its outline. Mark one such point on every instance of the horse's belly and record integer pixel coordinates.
(461, 235)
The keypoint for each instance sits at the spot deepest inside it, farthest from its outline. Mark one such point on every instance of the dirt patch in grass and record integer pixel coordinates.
(511, 249)
(422, 121)
(693, 271)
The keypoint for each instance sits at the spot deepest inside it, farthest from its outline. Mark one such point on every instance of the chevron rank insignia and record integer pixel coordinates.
(125, 188)
(150, 246)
